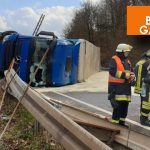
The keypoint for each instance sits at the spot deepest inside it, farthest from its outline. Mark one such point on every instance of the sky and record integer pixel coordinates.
(23, 15)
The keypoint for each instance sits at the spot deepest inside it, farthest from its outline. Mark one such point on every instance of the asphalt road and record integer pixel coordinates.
(99, 99)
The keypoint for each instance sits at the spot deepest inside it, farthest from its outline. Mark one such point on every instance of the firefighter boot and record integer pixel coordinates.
(144, 121)
(122, 123)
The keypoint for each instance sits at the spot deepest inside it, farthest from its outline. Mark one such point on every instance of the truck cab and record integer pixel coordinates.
(59, 67)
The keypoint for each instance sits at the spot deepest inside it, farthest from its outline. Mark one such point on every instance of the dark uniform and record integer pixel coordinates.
(142, 72)
(119, 89)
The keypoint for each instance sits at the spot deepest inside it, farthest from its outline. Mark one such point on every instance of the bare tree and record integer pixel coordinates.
(104, 25)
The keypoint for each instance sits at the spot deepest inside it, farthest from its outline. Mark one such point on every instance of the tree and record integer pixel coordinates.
(104, 24)
(83, 24)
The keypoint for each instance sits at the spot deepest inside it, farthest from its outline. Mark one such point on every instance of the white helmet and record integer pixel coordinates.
(123, 48)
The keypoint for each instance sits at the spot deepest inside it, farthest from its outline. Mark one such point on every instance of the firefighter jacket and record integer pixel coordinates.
(141, 70)
(119, 68)
(142, 73)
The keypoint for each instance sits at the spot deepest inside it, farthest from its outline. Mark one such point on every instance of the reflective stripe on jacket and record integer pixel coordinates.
(123, 98)
(138, 74)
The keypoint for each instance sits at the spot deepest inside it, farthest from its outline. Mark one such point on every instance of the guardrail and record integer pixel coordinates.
(71, 135)
(136, 137)
(50, 113)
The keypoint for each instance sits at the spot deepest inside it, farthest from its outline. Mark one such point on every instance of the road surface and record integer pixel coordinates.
(99, 99)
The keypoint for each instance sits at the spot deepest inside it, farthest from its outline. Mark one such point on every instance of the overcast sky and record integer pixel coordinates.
(23, 15)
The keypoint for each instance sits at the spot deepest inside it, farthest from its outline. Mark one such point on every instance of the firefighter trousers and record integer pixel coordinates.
(145, 106)
(120, 113)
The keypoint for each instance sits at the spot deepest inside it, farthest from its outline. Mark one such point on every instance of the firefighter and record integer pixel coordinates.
(121, 77)
(142, 72)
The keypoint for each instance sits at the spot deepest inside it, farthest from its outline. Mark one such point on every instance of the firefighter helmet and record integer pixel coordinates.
(148, 53)
(123, 48)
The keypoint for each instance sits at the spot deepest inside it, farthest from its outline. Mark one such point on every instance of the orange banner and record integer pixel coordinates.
(138, 20)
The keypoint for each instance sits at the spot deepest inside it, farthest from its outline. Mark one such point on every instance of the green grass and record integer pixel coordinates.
(21, 133)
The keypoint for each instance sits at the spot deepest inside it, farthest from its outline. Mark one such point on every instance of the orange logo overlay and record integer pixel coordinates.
(138, 20)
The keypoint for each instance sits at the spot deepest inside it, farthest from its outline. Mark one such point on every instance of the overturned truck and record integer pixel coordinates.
(67, 62)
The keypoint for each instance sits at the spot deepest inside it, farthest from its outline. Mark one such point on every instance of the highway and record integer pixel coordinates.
(99, 99)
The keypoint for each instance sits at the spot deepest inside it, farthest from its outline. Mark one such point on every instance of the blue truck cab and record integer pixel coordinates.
(59, 67)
